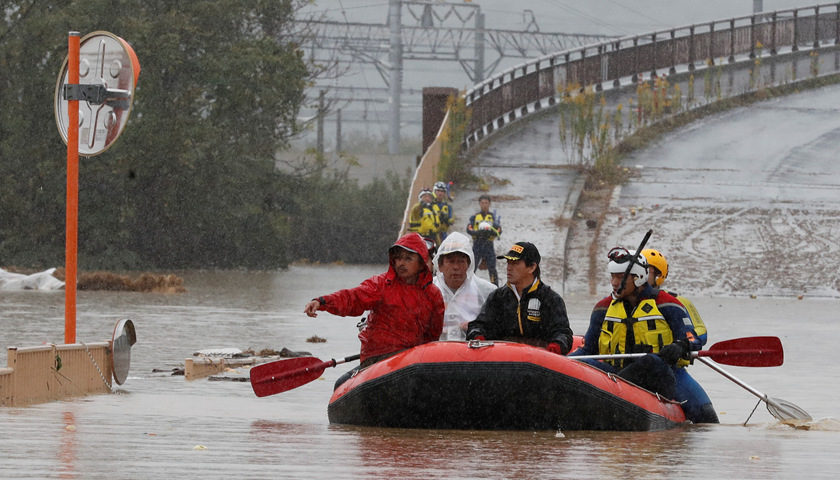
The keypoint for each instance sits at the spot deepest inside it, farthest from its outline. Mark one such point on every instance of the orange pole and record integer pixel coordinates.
(72, 226)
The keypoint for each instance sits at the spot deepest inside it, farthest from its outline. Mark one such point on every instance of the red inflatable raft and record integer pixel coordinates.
(496, 386)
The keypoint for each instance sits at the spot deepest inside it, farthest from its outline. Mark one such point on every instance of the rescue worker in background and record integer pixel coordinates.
(406, 308)
(637, 319)
(463, 292)
(432, 248)
(443, 210)
(695, 402)
(484, 227)
(525, 310)
(657, 273)
(423, 219)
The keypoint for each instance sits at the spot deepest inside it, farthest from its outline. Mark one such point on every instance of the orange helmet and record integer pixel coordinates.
(657, 260)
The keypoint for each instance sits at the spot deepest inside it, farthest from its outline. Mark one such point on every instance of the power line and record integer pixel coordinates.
(430, 32)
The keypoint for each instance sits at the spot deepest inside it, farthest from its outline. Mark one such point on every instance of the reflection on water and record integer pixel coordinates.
(67, 450)
(149, 429)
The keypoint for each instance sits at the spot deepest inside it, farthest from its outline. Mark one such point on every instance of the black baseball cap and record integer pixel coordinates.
(523, 251)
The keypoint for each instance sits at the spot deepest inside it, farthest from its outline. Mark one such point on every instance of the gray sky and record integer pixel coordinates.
(605, 17)
(593, 16)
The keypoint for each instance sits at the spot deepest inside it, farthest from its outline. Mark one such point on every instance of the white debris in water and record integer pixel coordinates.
(218, 352)
(36, 281)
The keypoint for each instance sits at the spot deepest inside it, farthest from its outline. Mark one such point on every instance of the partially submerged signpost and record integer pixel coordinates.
(93, 99)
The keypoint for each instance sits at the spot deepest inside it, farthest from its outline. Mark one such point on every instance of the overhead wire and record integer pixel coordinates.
(599, 21)
(364, 74)
(641, 14)
(568, 8)
(370, 103)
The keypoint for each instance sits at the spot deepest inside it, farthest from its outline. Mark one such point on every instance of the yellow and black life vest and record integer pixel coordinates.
(646, 331)
(443, 212)
(699, 326)
(424, 220)
(484, 217)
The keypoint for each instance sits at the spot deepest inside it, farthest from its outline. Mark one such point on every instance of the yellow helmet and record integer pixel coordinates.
(657, 260)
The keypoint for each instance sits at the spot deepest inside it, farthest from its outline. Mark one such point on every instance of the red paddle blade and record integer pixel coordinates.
(747, 352)
(283, 375)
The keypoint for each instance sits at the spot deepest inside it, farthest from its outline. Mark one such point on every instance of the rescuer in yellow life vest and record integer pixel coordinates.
(484, 227)
(637, 319)
(657, 273)
(695, 401)
(443, 210)
(423, 219)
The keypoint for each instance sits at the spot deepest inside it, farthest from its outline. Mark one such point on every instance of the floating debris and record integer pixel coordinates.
(227, 364)
(270, 352)
(146, 282)
(222, 353)
(16, 279)
(225, 378)
(316, 339)
(175, 372)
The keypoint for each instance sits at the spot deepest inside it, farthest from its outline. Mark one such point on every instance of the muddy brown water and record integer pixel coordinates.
(159, 426)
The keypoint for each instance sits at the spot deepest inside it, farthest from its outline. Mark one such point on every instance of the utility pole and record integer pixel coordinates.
(395, 60)
(319, 143)
(478, 73)
(338, 131)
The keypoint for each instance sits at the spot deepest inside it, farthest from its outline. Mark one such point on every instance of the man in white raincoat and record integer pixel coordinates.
(463, 292)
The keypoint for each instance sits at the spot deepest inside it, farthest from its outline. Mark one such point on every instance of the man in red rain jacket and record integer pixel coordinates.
(406, 308)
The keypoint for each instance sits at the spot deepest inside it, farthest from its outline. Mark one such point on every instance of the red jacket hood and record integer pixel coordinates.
(414, 242)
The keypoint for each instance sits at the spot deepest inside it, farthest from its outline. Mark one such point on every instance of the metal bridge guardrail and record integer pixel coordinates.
(754, 52)
(532, 86)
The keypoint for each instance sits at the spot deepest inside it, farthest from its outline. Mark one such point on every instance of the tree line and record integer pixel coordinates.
(191, 183)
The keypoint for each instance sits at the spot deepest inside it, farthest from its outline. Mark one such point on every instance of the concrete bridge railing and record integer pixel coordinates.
(531, 87)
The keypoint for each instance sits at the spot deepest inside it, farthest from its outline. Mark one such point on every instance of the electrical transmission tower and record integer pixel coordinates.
(433, 31)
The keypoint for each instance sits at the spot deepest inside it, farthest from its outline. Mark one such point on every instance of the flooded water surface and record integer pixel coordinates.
(159, 426)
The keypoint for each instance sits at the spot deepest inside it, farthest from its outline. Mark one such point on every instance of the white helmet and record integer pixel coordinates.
(425, 191)
(485, 225)
(619, 258)
(440, 186)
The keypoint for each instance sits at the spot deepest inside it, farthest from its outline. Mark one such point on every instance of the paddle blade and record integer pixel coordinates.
(786, 411)
(747, 352)
(283, 375)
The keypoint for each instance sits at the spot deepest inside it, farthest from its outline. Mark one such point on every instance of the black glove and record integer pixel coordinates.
(672, 352)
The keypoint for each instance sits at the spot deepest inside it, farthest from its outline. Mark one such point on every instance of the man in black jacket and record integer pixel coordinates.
(525, 309)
